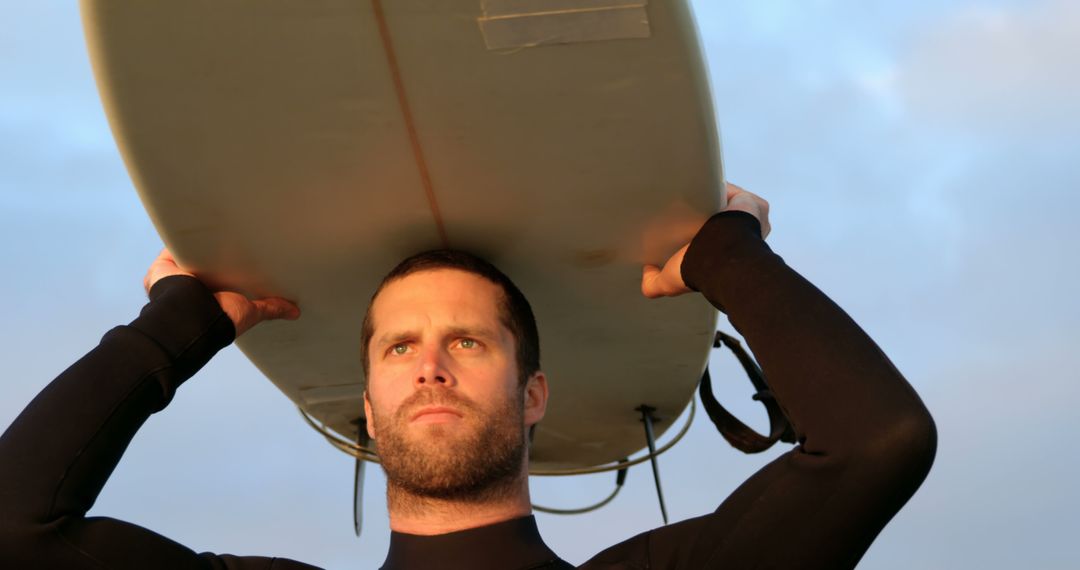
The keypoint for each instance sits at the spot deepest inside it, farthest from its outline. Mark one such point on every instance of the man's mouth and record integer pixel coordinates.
(436, 414)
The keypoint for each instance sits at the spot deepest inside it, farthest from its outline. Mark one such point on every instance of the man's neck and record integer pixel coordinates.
(414, 514)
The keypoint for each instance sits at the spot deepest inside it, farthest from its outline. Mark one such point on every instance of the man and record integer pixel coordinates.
(454, 385)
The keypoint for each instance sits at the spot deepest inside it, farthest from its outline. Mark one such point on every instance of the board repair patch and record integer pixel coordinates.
(530, 23)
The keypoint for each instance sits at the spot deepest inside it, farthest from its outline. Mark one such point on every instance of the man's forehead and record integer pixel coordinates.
(458, 298)
(442, 283)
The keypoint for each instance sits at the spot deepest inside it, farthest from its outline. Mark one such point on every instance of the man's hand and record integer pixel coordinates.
(244, 313)
(667, 282)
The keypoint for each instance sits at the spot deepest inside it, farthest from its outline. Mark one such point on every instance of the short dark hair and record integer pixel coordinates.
(515, 313)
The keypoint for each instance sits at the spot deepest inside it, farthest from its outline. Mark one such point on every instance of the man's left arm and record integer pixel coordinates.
(866, 440)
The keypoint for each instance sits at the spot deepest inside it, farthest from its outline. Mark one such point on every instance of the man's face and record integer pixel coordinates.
(444, 402)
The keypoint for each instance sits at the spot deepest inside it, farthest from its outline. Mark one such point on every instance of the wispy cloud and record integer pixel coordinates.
(921, 161)
(998, 68)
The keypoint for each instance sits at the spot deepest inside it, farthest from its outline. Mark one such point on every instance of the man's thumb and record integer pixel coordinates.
(276, 308)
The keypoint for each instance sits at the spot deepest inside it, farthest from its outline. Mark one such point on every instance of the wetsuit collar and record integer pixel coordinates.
(511, 545)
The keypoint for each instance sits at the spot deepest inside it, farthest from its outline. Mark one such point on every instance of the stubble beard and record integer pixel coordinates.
(476, 463)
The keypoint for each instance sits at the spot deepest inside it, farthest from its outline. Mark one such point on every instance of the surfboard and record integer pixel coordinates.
(302, 149)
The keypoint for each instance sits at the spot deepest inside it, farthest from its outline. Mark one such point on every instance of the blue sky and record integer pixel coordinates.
(921, 160)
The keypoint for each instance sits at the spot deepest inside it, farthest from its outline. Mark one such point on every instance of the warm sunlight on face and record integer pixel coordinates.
(440, 329)
(445, 406)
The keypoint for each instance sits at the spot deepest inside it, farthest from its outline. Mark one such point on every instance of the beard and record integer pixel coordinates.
(476, 459)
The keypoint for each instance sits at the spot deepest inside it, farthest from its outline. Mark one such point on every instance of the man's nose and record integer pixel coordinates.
(433, 368)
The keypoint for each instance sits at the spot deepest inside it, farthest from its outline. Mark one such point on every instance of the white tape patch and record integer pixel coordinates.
(530, 23)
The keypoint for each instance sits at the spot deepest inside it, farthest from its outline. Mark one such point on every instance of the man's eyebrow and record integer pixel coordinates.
(469, 331)
(394, 337)
(478, 332)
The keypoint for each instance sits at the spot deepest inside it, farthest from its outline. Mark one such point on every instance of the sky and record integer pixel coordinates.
(921, 162)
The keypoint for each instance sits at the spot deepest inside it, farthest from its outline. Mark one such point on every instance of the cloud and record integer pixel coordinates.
(1009, 69)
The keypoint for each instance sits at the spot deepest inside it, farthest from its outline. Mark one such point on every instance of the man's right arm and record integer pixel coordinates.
(56, 456)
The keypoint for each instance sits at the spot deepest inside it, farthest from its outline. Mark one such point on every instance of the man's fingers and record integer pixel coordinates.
(276, 308)
(668, 281)
(166, 255)
(732, 190)
(246, 313)
(654, 283)
(664, 281)
(746, 201)
(163, 266)
(649, 275)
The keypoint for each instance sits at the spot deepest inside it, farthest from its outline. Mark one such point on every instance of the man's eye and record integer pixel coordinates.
(399, 349)
(468, 343)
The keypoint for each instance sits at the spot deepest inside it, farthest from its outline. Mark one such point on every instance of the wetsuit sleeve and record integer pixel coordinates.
(866, 442)
(57, 454)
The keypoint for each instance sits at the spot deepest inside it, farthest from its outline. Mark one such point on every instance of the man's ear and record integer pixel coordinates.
(370, 417)
(536, 398)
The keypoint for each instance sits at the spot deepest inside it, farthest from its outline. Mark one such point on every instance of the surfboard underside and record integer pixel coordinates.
(302, 149)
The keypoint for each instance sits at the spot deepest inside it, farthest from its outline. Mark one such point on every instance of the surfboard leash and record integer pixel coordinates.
(366, 453)
(738, 434)
(734, 431)
(620, 478)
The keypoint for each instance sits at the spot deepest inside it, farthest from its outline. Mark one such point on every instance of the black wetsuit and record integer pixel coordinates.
(866, 440)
